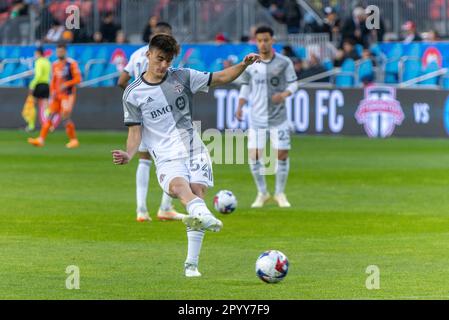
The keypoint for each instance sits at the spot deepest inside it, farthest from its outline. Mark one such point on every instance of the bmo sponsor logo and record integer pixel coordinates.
(325, 115)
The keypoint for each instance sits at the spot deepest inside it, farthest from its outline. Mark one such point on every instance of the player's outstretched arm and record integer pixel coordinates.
(123, 80)
(230, 74)
(120, 157)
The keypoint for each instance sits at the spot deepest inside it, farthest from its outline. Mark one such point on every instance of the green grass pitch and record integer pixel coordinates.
(356, 202)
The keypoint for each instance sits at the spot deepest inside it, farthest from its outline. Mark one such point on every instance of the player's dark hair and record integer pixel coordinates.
(61, 45)
(163, 27)
(265, 29)
(166, 44)
(40, 50)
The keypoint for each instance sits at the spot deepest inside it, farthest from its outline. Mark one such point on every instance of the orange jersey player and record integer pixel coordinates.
(65, 76)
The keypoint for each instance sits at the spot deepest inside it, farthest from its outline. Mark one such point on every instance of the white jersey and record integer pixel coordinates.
(138, 63)
(264, 80)
(165, 111)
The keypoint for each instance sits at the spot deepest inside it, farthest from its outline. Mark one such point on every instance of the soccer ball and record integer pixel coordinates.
(225, 202)
(272, 266)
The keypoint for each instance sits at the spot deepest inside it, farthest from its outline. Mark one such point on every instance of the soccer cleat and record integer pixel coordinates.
(205, 221)
(37, 142)
(73, 143)
(260, 200)
(282, 201)
(143, 217)
(172, 214)
(191, 270)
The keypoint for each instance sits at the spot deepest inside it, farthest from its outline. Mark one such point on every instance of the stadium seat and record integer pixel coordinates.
(366, 71)
(346, 77)
(445, 81)
(328, 64)
(431, 67)
(392, 64)
(96, 71)
(110, 69)
(411, 68)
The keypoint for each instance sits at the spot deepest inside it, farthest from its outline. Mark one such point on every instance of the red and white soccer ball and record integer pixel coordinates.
(225, 202)
(272, 266)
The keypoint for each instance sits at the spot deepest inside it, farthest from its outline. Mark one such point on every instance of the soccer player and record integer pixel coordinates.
(39, 86)
(268, 84)
(66, 75)
(158, 110)
(137, 65)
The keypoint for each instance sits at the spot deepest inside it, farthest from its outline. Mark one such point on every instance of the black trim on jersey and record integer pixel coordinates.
(292, 81)
(131, 87)
(245, 84)
(154, 84)
(131, 124)
(210, 79)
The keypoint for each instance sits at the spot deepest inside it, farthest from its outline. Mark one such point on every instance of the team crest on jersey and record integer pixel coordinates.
(179, 88)
(379, 112)
(180, 103)
(274, 81)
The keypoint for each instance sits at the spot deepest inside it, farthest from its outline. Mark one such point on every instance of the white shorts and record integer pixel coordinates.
(143, 147)
(279, 137)
(197, 169)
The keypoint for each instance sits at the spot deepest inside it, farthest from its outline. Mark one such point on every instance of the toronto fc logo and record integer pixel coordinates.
(379, 112)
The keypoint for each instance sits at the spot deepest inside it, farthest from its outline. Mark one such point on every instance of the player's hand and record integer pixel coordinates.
(120, 157)
(278, 98)
(239, 114)
(250, 59)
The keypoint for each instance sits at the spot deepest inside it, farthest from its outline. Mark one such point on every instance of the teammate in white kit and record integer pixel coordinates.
(158, 110)
(265, 86)
(137, 65)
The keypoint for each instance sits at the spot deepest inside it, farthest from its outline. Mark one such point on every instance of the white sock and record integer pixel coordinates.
(197, 206)
(194, 243)
(282, 175)
(142, 180)
(259, 179)
(195, 237)
(166, 202)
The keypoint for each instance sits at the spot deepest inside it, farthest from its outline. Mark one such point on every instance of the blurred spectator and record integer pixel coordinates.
(67, 36)
(355, 27)
(314, 67)
(332, 23)
(54, 34)
(221, 38)
(292, 16)
(149, 28)
(109, 28)
(432, 36)
(15, 14)
(310, 24)
(288, 51)
(299, 67)
(348, 51)
(411, 35)
(121, 37)
(276, 10)
(97, 37)
(45, 19)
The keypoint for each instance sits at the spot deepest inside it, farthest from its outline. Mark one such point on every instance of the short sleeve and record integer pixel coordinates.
(130, 66)
(199, 81)
(290, 74)
(244, 78)
(132, 114)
